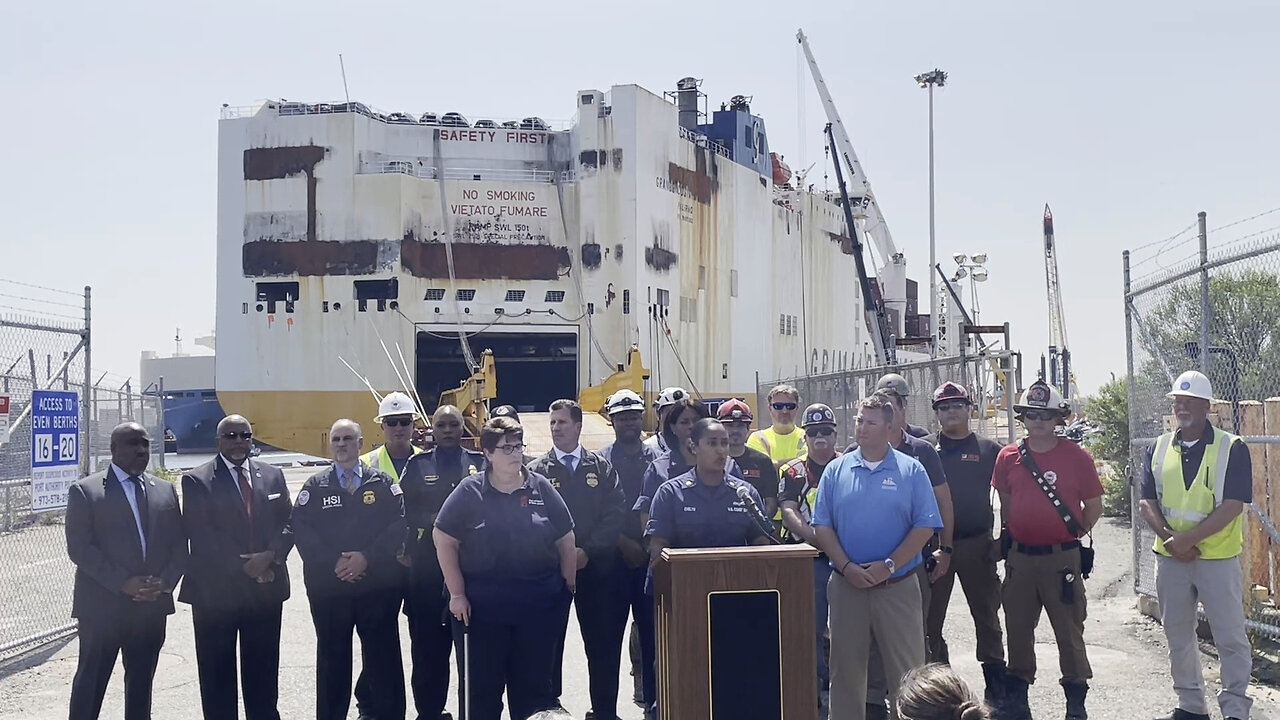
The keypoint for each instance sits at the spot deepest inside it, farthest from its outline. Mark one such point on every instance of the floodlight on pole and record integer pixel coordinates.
(929, 80)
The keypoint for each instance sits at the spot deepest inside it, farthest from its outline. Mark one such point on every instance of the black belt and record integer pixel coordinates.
(1045, 549)
(970, 536)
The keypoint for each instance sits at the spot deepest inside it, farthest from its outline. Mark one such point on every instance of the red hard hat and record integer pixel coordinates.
(950, 391)
(734, 410)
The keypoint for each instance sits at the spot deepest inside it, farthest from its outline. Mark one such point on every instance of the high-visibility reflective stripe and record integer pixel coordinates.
(1184, 515)
(1157, 461)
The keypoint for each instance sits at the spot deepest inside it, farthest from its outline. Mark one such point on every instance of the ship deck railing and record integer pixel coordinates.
(429, 172)
(701, 140)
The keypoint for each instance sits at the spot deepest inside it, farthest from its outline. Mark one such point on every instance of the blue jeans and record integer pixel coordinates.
(821, 574)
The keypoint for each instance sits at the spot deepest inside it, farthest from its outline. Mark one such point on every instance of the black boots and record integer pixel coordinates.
(1014, 705)
(1076, 692)
(994, 674)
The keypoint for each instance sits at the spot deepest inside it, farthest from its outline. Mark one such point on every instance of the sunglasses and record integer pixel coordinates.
(237, 436)
(951, 405)
(511, 449)
(784, 406)
(398, 422)
(1039, 415)
(819, 431)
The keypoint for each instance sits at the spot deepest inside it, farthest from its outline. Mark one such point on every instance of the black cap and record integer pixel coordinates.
(505, 411)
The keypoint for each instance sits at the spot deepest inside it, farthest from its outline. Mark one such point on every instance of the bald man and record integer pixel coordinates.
(237, 512)
(427, 480)
(348, 524)
(125, 537)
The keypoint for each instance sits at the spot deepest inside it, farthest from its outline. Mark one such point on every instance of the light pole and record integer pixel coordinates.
(973, 267)
(929, 80)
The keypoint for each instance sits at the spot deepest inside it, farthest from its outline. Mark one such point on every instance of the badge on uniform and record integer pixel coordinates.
(592, 480)
(303, 497)
(369, 497)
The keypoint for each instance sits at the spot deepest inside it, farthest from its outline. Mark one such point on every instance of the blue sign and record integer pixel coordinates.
(55, 447)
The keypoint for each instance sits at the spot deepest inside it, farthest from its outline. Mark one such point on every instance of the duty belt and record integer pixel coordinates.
(1045, 549)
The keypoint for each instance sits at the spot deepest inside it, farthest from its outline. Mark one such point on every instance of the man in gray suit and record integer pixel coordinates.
(236, 512)
(125, 537)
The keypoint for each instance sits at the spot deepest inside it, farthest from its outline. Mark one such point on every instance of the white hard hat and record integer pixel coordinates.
(670, 396)
(1192, 384)
(623, 401)
(396, 403)
(1043, 396)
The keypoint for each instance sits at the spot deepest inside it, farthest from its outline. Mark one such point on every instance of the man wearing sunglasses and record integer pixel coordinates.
(236, 512)
(780, 441)
(427, 480)
(1050, 496)
(397, 413)
(969, 461)
(757, 468)
(797, 493)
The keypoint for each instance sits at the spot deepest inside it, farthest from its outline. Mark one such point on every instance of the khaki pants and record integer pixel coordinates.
(889, 615)
(972, 562)
(1219, 586)
(877, 684)
(1034, 583)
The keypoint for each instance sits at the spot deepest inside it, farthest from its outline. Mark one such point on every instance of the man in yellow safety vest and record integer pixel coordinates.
(1196, 483)
(396, 413)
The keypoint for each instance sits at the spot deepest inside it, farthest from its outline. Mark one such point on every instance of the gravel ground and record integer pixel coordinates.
(1126, 649)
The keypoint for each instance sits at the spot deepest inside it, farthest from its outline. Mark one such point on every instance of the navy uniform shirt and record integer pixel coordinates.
(507, 543)
(690, 514)
(917, 431)
(969, 464)
(759, 470)
(1239, 480)
(426, 481)
(666, 467)
(630, 467)
(328, 521)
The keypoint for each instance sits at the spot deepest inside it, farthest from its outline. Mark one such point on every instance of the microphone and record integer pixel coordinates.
(744, 494)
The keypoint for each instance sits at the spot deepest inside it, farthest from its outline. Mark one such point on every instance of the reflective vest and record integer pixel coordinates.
(380, 460)
(1184, 507)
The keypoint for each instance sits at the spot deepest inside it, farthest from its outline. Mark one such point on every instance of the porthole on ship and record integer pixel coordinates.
(534, 368)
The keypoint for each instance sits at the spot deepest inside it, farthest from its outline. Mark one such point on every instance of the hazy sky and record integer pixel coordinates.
(1127, 117)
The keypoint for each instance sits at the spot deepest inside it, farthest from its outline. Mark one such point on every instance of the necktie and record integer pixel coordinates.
(569, 462)
(140, 498)
(246, 492)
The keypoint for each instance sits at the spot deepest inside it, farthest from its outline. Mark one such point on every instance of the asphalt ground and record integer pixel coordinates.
(1126, 649)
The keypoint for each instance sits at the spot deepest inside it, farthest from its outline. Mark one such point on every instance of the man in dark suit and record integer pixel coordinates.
(236, 512)
(125, 537)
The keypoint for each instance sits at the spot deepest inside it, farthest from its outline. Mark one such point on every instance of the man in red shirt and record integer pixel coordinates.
(1043, 569)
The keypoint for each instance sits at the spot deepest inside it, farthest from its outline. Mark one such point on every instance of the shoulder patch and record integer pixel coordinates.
(304, 496)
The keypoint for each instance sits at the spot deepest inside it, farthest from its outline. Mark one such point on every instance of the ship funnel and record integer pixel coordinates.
(687, 95)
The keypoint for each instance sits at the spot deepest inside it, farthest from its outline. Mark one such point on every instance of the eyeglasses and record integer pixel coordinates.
(816, 431)
(511, 449)
(951, 405)
(784, 406)
(398, 422)
(237, 436)
(1040, 415)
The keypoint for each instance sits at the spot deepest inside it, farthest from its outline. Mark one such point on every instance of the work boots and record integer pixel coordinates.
(1014, 705)
(995, 675)
(1076, 692)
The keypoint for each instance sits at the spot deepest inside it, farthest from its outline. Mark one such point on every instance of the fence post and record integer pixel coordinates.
(1131, 383)
(160, 417)
(89, 417)
(1204, 293)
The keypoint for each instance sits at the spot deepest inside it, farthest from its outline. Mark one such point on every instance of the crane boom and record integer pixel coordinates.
(891, 270)
(1059, 355)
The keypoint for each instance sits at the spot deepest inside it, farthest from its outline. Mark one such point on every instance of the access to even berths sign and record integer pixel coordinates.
(55, 447)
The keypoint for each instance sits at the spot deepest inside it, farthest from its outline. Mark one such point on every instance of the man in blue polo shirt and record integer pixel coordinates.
(875, 510)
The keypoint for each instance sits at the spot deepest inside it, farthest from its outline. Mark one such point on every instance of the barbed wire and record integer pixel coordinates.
(42, 301)
(40, 287)
(41, 314)
(1245, 220)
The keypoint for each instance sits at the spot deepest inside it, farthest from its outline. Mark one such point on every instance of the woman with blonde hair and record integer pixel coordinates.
(936, 692)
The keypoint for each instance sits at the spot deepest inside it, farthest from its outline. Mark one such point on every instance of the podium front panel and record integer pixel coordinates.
(745, 647)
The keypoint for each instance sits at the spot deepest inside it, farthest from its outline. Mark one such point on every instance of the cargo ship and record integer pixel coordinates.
(646, 242)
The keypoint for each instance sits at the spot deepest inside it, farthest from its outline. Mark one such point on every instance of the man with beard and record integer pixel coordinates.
(426, 481)
(757, 468)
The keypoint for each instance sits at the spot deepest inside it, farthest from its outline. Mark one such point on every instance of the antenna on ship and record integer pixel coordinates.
(342, 66)
(177, 342)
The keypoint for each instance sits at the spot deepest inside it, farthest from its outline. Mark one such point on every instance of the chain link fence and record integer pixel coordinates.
(985, 375)
(1190, 305)
(45, 345)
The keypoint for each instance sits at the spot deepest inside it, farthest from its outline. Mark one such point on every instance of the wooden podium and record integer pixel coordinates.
(735, 633)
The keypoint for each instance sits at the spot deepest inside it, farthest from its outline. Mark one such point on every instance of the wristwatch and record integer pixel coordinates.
(888, 562)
